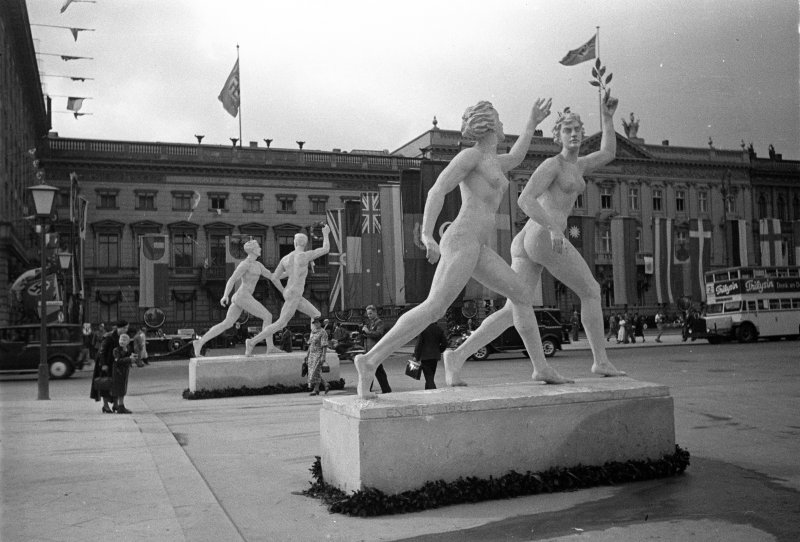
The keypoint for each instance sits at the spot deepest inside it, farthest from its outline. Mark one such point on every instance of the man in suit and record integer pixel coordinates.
(430, 345)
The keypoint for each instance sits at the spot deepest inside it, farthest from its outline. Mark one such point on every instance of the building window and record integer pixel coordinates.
(108, 311)
(702, 201)
(217, 252)
(730, 204)
(108, 251)
(252, 203)
(680, 200)
(319, 204)
(183, 251)
(184, 307)
(145, 201)
(762, 206)
(633, 198)
(780, 205)
(657, 197)
(605, 241)
(638, 240)
(286, 203)
(107, 199)
(217, 202)
(182, 201)
(605, 197)
(285, 244)
(579, 204)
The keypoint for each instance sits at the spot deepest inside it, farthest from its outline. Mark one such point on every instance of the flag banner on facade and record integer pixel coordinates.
(73, 197)
(699, 256)
(229, 95)
(153, 271)
(75, 104)
(796, 241)
(353, 269)
(662, 259)
(83, 213)
(581, 232)
(372, 279)
(337, 260)
(585, 52)
(414, 187)
(736, 241)
(623, 259)
(391, 236)
(769, 230)
(31, 298)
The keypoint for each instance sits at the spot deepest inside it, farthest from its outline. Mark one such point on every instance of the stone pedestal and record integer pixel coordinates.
(215, 373)
(399, 441)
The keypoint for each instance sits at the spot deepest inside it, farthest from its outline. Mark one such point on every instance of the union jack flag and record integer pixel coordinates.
(336, 257)
(370, 212)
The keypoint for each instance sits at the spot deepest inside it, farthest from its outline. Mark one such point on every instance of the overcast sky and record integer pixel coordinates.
(372, 75)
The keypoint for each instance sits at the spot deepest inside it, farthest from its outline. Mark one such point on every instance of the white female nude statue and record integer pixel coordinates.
(294, 266)
(247, 274)
(479, 172)
(547, 199)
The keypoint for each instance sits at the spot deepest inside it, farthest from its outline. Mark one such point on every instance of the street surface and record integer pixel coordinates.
(735, 411)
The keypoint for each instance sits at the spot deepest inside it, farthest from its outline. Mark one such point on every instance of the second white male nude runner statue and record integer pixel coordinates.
(548, 199)
(293, 266)
(480, 174)
(246, 274)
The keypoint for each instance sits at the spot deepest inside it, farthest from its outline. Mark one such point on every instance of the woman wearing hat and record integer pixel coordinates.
(317, 349)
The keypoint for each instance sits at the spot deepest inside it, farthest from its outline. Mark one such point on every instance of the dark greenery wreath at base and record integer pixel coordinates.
(244, 390)
(373, 502)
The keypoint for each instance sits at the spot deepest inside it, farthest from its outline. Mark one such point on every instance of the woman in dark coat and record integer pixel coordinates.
(123, 358)
(105, 362)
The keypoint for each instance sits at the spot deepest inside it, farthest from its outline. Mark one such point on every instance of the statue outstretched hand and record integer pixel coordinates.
(326, 230)
(224, 301)
(609, 104)
(431, 248)
(541, 110)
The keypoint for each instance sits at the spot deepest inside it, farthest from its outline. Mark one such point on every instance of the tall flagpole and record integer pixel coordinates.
(599, 90)
(240, 95)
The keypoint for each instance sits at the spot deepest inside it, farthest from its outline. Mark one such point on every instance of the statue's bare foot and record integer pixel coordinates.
(606, 369)
(248, 348)
(452, 369)
(548, 375)
(198, 347)
(365, 375)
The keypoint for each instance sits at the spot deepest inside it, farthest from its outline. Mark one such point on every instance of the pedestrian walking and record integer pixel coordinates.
(638, 326)
(622, 336)
(613, 326)
(140, 346)
(576, 324)
(317, 350)
(97, 340)
(286, 340)
(660, 318)
(104, 363)
(428, 350)
(123, 359)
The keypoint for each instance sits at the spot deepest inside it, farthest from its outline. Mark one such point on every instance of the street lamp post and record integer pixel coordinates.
(43, 196)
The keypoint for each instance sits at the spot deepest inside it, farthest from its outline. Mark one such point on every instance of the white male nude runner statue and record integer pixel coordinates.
(247, 273)
(548, 199)
(480, 173)
(294, 266)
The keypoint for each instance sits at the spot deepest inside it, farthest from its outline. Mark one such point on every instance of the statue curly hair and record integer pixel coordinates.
(567, 116)
(478, 120)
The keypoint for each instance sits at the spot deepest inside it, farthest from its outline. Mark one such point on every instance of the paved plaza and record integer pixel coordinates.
(230, 469)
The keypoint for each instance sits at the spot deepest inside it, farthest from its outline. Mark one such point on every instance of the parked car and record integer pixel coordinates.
(300, 336)
(551, 330)
(20, 349)
(164, 345)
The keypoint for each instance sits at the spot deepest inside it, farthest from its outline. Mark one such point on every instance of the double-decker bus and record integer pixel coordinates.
(746, 303)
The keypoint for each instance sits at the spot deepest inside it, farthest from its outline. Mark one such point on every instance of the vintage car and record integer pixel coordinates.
(20, 349)
(162, 345)
(552, 331)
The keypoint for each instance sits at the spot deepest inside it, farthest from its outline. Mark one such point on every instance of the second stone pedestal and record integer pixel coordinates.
(400, 441)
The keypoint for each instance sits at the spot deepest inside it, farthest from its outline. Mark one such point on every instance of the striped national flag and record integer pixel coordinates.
(623, 259)
(662, 259)
(737, 243)
(699, 255)
(153, 271)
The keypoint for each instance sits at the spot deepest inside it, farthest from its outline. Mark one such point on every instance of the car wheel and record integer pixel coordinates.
(746, 333)
(549, 348)
(481, 354)
(175, 344)
(60, 368)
